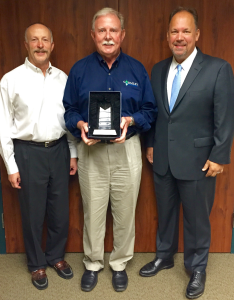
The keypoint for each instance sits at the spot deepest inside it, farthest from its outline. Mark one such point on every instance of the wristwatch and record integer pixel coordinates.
(132, 121)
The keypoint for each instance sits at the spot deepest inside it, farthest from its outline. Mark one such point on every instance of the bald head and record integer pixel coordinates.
(37, 25)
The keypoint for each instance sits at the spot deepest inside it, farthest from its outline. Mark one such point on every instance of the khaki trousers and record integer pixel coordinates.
(109, 172)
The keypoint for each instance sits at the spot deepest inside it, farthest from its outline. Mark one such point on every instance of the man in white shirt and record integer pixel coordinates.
(34, 147)
(190, 144)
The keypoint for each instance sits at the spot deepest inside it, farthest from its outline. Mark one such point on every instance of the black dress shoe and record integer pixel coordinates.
(120, 280)
(89, 280)
(155, 266)
(196, 285)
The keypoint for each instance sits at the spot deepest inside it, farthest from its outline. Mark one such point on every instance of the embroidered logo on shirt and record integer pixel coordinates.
(130, 83)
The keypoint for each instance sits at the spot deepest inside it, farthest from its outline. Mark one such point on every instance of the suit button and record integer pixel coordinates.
(170, 121)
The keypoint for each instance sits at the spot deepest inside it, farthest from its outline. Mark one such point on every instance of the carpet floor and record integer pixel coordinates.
(15, 280)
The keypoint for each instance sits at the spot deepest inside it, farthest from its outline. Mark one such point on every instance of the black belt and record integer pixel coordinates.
(42, 144)
(127, 138)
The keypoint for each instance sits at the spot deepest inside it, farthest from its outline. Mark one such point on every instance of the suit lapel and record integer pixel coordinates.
(165, 71)
(192, 74)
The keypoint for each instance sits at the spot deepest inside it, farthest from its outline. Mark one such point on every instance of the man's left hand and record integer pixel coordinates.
(73, 166)
(125, 121)
(213, 168)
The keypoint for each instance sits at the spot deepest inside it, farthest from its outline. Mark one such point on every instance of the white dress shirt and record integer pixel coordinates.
(186, 65)
(31, 109)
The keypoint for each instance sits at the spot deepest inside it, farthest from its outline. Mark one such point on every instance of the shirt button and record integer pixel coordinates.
(109, 73)
(109, 89)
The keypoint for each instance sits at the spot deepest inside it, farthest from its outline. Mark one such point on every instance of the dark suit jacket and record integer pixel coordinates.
(201, 124)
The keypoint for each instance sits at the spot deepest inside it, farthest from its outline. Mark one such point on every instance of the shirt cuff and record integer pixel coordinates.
(11, 166)
(140, 122)
(73, 152)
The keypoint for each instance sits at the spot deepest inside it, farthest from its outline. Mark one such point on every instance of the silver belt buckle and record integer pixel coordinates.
(47, 144)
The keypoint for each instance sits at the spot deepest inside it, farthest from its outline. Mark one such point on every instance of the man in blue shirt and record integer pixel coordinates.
(109, 170)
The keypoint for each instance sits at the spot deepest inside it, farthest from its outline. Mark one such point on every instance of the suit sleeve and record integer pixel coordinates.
(223, 115)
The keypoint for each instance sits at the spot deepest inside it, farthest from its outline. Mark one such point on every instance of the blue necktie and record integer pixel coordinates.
(175, 87)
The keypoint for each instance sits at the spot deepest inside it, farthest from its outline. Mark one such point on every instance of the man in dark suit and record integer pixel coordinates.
(191, 143)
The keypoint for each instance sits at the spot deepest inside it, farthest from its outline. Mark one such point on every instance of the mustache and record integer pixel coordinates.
(108, 43)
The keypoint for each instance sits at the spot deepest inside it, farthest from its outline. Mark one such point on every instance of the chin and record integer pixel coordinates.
(179, 55)
(40, 62)
(107, 54)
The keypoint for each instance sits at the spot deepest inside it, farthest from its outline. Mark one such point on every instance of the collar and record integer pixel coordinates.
(34, 68)
(115, 63)
(186, 64)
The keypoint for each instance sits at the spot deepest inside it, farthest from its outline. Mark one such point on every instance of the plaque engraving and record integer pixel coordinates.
(105, 118)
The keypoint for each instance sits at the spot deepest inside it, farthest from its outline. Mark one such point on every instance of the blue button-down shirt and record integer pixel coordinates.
(126, 75)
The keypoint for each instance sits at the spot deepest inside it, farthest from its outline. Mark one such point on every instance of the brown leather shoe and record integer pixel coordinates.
(39, 279)
(63, 269)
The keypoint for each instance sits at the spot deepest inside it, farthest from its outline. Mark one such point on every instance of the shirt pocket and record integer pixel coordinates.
(131, 93)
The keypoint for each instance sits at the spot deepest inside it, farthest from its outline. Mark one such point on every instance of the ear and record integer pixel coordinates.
(93, 35)
(167, 36)
(122, 35)
(52, 46)
(197, 34)
(26, 45)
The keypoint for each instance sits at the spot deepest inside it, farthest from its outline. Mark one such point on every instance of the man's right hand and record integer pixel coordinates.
(83, 126)
(149, 154)
(15, 180)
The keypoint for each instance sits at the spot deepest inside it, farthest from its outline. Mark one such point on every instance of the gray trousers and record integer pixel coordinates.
(197, 197)
(44, 176)
(109, 172)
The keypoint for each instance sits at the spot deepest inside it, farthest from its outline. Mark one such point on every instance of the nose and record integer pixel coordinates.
(180, 36)
(108, 35)
(40, 44)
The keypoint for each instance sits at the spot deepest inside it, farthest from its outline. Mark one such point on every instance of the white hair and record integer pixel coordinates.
(25, 33)
(108, 11)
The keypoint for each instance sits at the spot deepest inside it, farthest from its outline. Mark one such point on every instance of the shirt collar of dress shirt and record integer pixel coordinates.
(186, 64)
(34, 68)
(115, 63)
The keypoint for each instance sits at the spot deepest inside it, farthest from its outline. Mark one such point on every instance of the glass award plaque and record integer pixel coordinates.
(104, 126)
(104, 115)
